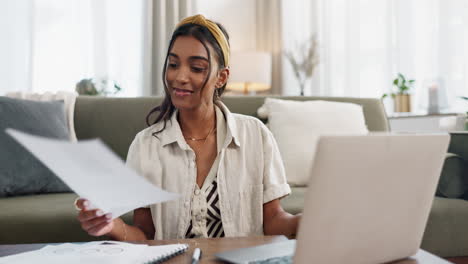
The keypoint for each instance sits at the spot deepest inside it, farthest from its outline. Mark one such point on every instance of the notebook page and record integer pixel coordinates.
(93, 252)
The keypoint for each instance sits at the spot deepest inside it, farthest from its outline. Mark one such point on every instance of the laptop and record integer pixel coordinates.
(368, 199)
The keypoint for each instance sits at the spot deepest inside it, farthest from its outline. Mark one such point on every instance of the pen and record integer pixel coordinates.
(196, 255)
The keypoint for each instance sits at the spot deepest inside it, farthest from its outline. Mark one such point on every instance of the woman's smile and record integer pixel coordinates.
(182, 92)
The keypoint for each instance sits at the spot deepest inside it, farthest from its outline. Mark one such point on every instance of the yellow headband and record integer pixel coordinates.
(214, 29)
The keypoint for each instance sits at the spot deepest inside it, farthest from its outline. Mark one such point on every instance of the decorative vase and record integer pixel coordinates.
(402, 103)
(301, 89)
(303, 83)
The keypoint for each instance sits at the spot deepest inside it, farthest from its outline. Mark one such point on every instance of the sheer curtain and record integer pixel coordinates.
(365, 43)
(300, 22)
(164, 16)
(66, 41)
(268, 32)
(15, 45)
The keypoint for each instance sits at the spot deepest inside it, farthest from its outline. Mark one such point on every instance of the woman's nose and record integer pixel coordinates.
(182, 75)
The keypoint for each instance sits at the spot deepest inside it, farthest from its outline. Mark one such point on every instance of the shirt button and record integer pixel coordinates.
(197, 192)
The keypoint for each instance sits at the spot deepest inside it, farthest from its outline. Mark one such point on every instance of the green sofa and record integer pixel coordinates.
(52, 217)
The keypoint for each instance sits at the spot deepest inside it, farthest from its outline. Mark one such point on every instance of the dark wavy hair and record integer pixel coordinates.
(201, 33)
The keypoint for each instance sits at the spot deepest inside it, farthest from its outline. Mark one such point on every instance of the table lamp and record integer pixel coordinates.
(250, 71)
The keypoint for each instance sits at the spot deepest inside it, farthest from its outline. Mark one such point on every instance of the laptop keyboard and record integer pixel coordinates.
(277, 260)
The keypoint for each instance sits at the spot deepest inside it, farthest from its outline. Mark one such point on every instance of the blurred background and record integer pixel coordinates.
(336, 47)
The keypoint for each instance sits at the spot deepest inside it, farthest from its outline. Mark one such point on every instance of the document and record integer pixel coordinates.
(69, 253)
(112, 252)
(94, 172)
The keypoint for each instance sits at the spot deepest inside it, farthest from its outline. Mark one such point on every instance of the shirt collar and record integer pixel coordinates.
(231, 126)
(172, 133)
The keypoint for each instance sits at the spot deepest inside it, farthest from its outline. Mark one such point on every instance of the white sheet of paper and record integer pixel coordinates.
(111, 252)
(94, 172)
(102, 252)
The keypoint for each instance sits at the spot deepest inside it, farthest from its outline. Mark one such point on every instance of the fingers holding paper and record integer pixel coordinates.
(93, 220)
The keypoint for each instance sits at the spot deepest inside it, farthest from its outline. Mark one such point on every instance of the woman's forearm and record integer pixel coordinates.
(124, 232)
(282, 223)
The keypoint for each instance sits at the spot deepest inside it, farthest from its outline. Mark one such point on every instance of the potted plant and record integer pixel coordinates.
(92, 87)
(402, 98)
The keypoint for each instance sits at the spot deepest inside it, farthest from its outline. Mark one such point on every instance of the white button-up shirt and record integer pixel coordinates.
(250, 173)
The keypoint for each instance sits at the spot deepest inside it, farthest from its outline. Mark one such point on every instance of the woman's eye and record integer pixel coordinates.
(198, 69)
(172, 65)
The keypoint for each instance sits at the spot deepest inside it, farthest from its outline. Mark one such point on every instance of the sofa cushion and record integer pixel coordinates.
(45, 218)
(67, 97)
(452, 182)
(297, 127)
(446, 233)
(20, 172)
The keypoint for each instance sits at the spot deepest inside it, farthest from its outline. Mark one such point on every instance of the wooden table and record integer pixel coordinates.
(211, 246)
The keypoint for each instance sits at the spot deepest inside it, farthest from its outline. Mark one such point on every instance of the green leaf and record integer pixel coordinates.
(401, 76)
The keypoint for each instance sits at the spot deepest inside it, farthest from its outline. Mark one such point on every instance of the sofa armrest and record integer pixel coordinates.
(459, 144)
(452, 182)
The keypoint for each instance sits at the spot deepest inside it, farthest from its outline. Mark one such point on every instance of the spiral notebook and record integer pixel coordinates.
(158, 254)
(102, 252)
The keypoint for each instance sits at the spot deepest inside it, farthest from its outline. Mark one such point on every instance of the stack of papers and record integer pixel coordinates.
(96, 252)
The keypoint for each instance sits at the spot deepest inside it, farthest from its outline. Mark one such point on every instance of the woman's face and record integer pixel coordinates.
(187, 69)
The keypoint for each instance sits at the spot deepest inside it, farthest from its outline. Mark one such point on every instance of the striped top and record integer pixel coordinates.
(213, 225)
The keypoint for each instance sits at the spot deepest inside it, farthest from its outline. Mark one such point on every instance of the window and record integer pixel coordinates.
(75, 39)
(365, 43)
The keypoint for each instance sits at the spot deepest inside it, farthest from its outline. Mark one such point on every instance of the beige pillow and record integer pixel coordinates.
(297, 125)
(68, 98)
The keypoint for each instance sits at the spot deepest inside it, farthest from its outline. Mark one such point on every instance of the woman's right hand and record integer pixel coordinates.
(94, 221)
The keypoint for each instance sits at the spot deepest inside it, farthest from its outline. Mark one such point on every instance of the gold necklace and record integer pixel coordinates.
(209, 133)
(200, 139)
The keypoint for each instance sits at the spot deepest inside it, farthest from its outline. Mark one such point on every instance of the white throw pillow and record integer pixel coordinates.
(297, 125)
(68, 98)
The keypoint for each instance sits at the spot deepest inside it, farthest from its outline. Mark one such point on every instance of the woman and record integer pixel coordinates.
(226, 166)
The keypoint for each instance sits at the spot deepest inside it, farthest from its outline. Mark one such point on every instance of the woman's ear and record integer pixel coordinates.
(223, 77)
